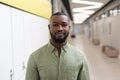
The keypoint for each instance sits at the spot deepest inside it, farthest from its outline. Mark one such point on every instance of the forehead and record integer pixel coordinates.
(59, 18)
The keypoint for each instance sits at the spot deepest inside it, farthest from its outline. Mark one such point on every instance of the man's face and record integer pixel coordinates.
(59, 28)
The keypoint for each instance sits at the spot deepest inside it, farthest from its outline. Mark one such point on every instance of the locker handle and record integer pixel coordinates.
(23, 66)
(11, 74)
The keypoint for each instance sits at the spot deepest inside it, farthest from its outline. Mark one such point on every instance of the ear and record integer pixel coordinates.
(49, 26)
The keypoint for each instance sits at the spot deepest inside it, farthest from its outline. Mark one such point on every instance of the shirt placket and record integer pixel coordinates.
(60, 61)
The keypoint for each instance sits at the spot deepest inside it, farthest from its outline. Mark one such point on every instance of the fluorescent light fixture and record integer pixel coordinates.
(77, 15)
(87, 2)
(91, 5)
(79, 21)
(84, 11)
(86, 8)
(79, 18)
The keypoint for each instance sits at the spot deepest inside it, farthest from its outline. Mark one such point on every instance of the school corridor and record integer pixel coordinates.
(102, 67)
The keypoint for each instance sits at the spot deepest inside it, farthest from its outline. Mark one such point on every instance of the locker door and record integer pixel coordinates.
(36, 33)
(18, 43)
(5, 44)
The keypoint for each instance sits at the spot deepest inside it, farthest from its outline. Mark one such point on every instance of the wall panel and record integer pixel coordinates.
(21, 33)
(6, 48)
(35, 33)
(18, 43)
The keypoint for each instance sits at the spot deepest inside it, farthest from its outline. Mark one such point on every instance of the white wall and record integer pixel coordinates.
(21, 33)
(107, 31)
(87, 30)
(6, 49)
(36, 32)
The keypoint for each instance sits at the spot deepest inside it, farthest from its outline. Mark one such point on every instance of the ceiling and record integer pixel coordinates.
(87, 8)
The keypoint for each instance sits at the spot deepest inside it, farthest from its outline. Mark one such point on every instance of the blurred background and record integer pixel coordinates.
(94, 30)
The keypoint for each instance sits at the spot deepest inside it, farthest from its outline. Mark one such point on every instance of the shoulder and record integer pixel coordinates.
(39, 51)
(76, 54)
(76, 50)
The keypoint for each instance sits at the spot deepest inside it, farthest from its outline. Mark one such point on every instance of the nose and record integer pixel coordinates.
(60, 27)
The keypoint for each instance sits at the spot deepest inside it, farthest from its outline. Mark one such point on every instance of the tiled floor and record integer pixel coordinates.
(101, 66)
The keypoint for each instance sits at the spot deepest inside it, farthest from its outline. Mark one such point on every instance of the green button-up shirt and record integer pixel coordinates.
(45, 64)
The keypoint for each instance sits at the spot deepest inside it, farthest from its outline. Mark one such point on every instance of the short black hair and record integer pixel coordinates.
(58, 13)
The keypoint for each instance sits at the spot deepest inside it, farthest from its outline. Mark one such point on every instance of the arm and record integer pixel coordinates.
(32, 71)
(84, 72)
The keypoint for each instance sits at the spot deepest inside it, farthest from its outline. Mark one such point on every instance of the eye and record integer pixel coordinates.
(55, 24)
(64, 24)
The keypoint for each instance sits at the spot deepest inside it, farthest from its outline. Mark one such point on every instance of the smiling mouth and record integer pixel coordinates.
(59, 34)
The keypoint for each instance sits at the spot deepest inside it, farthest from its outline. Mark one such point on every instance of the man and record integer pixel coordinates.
(57, 60)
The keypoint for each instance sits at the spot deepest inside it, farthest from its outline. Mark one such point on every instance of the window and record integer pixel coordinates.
(111, 12)
(103, 15)
(115, 11)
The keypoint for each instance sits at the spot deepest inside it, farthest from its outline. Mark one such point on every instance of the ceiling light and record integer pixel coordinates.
(87, 2)
(86, 8)
(84, 11)
(79, 18)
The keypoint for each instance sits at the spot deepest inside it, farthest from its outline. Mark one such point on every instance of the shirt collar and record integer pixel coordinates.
(52, 48)
(65, 47)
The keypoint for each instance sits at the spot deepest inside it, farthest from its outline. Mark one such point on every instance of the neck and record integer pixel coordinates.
(58, 45)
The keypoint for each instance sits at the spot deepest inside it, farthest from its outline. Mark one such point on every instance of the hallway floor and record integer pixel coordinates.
(101, 66)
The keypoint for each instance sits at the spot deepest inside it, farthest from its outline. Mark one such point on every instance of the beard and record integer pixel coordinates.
(59, 40)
